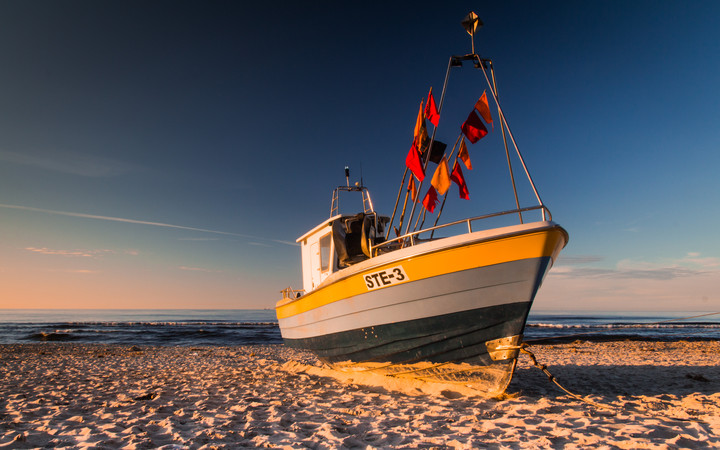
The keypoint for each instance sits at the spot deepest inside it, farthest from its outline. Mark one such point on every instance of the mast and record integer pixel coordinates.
(470, 23)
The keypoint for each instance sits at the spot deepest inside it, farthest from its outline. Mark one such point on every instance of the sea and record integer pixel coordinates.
(235, 327)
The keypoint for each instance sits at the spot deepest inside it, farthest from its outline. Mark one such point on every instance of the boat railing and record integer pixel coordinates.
(411, 239)
(335, 202)
(292, 294)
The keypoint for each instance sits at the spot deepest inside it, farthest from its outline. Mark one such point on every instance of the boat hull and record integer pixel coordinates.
(436, 323)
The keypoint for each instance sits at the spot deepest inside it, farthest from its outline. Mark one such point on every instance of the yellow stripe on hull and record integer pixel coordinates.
(544, 243)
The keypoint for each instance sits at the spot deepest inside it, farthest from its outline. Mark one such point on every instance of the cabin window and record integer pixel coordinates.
(325, 252)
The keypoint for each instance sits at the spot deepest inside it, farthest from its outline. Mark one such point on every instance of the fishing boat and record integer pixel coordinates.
(443, 303)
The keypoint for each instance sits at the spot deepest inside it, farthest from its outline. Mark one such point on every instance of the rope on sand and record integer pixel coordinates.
(524, 349)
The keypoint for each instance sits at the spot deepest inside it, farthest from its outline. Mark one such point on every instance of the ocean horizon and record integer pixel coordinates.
(231, 327)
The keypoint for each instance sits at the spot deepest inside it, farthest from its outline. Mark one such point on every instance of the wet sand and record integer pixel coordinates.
(646, 395)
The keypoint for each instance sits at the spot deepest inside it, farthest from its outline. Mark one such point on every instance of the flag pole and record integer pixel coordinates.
(432, 139)
(397, 201)
(418, 219)
(445, 196)
(471, 22)
(412, 175)
(402, 214)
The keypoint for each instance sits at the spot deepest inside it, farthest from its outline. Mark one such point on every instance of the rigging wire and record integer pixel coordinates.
(512, 138)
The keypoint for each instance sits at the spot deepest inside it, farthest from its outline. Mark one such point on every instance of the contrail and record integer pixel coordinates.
(140, 222)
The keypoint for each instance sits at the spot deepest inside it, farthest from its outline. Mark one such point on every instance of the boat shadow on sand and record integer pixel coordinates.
(611, 381)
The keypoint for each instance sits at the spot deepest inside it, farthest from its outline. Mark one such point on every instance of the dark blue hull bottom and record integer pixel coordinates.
(450, 348)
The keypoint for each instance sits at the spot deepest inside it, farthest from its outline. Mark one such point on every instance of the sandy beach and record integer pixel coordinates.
(649, 395)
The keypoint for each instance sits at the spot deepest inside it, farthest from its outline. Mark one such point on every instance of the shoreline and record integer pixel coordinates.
(51, 338)
(661, 394)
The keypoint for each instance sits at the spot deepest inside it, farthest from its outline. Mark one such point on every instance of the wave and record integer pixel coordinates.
(158, 332)
(625, 325)
(168, 323)
(51, 337)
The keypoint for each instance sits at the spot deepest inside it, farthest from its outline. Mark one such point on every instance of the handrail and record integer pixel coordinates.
(292, 294)
(469, 222)
(335, 201)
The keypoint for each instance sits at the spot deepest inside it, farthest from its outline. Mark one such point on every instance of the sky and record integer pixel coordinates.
(167, 154)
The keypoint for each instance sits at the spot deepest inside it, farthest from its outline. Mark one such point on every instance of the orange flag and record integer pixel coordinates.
(413, 189)
(430, 199)
(464, 155)
(459, 179)
(441, 178)
(412, 160)
(420, 133)
(483, 108)
(431, 111)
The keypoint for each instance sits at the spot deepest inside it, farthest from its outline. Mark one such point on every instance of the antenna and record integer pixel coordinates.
(347, 176)
(471, 22)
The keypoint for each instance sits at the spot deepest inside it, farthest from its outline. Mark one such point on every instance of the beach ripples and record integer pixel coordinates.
(659, 394)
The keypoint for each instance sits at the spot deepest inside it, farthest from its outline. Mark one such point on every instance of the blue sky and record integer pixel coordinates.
(167, 154)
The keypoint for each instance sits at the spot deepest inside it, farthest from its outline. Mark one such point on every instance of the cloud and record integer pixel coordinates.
(688, 283)
(73, 271)
(198, 239)
(142, 222)
(573, 260)
(196, 269)
(662, 273)
(95, 253)
(690, 265)
(694, 258)
(69, 253)
(258, 244)
(690, 292)
(70, 163)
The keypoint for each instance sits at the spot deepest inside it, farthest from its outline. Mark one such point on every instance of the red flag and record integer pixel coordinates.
(483, 108)
(459, 179)
(473, 128)
(413, 189)
(464, 155)
(430, 199)
(412, 161)
(431, 111)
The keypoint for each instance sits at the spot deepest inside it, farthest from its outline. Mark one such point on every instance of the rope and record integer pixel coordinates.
(686, 318)
(524, 349)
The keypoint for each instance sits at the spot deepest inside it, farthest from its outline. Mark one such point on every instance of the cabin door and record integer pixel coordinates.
(315, 263)
(320, 260)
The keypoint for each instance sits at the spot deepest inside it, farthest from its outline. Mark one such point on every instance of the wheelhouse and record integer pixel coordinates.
(340, 241)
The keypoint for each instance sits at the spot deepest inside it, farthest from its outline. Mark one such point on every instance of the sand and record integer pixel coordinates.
(653, 395)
